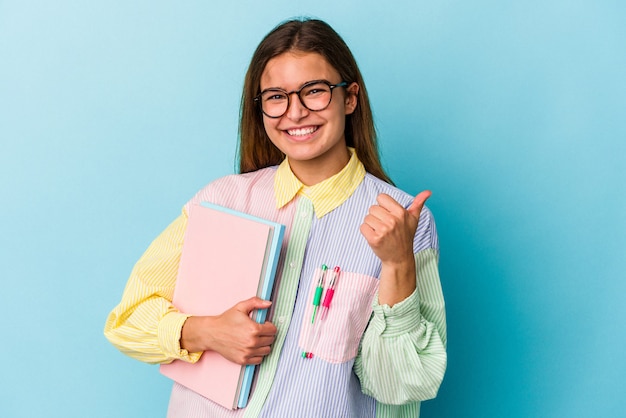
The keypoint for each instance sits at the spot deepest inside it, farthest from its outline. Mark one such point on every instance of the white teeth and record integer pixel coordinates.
(301, 131)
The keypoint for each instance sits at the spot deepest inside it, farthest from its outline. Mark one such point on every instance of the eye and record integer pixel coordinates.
(273, 96)
(316, 89)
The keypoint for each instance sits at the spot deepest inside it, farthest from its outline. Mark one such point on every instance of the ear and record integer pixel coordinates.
(352, 98)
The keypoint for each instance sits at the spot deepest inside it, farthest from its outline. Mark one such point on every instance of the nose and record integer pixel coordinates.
(295, 109)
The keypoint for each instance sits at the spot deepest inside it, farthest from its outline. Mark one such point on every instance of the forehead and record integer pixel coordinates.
(292, 69)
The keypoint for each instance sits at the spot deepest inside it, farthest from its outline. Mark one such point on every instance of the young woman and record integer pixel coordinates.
(309, 160)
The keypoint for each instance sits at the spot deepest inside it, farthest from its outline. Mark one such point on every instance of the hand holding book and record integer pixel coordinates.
(232, 334)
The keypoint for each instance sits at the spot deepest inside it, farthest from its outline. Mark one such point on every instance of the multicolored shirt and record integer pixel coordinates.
(368, 360)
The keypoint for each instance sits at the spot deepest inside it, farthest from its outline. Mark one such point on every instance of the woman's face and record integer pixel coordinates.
(314, 141)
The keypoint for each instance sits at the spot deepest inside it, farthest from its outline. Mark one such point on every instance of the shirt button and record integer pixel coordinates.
(281, 319)
(304, 214)
(292, 264)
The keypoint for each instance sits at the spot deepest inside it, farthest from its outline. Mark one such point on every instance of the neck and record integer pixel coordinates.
(312, 172)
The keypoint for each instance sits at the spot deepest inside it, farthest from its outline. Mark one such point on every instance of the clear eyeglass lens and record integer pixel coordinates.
(316, 96)
(274, 102)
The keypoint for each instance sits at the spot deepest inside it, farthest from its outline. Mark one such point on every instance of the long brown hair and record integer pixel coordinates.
(304, 35)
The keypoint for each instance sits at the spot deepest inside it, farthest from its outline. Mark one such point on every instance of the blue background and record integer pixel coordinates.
(112, 115)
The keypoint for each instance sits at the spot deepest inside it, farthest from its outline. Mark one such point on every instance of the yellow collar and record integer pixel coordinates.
(326, 195)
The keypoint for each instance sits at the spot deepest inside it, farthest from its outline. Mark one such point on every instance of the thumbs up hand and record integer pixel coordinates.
(389, 229)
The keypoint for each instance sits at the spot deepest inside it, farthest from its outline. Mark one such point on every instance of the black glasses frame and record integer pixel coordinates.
(257, 99)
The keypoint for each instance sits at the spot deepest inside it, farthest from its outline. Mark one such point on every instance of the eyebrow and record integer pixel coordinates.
(320, 80)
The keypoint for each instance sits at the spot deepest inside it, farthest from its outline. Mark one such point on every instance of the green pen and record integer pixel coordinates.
(318, 292)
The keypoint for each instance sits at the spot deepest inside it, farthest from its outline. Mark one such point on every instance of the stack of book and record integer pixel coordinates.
(228, 256)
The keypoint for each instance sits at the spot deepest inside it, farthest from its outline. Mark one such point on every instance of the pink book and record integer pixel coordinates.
(227, 257)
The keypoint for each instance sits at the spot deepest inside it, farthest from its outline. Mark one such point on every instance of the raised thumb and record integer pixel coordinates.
(418, 203)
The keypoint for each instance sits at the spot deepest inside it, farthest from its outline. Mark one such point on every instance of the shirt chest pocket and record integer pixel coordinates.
(333, 333)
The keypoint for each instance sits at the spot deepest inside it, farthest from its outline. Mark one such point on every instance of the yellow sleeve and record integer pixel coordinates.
(145, 325)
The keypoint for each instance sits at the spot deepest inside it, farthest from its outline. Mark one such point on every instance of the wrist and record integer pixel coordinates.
(194, 335)
(397, 282)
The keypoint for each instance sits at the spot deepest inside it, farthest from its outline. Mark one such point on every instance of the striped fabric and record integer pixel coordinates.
(336, 337)
(326, 195)
(145, 325)
(384, 371)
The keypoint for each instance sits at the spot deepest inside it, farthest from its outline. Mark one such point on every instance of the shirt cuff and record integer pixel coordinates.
(169, 334)
(401, 318)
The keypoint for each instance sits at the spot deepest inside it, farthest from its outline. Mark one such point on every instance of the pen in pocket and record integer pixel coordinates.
(318, 291)
(315, 329)
(330, 292)
(317, 297)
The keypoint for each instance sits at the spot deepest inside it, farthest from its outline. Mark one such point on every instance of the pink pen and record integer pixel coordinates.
(330, 292)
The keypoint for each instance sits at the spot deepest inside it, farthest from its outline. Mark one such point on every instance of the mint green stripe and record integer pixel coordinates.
(411, 410)
(432, 304)
(403, 357)
(284, 302)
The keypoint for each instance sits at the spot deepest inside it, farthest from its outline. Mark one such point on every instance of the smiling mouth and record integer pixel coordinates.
(302, 131)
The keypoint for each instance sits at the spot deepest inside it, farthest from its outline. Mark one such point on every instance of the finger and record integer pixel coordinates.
(254, 344)
(367, 231)
(418, 203)
(267, 329)
(256, 355)
(375, 222)
(379, 212)
(264, 341)
(249, 361)
(248, 358)
(255, 360)
(254, 302)
(372, 236)
(389, 203)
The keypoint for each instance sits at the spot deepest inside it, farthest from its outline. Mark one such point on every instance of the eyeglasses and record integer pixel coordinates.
(314, 95)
